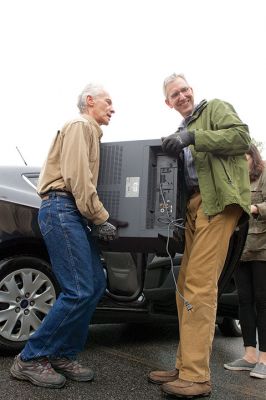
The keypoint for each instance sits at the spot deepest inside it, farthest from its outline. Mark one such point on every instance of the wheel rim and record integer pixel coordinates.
(26, 297)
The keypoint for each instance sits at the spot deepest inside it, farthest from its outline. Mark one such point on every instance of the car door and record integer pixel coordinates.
(131, 275)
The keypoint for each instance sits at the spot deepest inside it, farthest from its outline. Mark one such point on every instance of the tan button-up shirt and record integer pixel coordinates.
(73, 165)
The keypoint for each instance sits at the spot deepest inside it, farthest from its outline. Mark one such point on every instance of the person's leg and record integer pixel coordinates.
(91, 284)
(244, 276)
(158, 376)
(191, 216)
(259, 288)
(72, 369)
(64, 330)
(201, 274)
(204, 266)
(259, 282)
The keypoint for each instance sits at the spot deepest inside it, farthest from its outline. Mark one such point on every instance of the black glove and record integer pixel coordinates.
(117, 223)
(106, 231)
(175, 143)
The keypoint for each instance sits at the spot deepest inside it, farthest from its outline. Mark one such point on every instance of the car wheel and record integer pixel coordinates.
(28, 290)
(230, 327)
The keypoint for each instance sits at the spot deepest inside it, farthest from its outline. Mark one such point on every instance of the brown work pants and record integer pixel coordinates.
(207, 241)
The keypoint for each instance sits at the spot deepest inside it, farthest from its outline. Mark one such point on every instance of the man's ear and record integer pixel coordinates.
(90, 101)
(167, 102)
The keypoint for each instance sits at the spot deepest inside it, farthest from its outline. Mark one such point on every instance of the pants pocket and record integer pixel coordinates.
(45, 220)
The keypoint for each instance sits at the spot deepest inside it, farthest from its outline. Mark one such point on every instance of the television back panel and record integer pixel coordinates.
(138, 183)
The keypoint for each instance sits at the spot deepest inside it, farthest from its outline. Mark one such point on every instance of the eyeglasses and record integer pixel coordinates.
(176, 94)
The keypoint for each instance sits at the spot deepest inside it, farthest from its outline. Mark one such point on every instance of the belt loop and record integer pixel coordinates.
(45, 196)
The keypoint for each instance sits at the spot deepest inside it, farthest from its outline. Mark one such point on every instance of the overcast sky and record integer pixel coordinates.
(50, 49)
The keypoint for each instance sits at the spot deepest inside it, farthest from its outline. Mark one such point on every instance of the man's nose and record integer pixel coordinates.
(181, 96)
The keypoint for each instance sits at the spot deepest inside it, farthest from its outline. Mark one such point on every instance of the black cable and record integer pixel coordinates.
(178, 224)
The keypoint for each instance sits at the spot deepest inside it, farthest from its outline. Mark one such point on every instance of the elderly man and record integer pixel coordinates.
(67, 186)
(211, 142)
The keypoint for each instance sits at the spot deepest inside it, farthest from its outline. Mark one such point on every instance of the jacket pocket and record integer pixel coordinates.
(229, 178)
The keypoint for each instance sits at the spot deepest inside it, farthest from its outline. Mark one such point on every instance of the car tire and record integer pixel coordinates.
(230, 327)
(28, 290)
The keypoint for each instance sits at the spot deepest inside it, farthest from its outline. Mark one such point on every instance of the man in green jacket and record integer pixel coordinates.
(212, 141)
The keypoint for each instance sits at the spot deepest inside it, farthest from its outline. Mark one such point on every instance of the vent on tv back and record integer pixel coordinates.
(110, 200)
(110, 164)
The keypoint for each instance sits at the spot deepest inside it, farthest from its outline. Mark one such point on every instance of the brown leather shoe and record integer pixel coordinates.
(187, 389)
(159, 377)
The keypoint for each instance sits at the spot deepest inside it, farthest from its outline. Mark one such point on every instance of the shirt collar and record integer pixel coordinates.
(94, 123)
(197, 107)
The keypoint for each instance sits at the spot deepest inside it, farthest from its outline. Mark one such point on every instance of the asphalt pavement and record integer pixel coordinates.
(122, 356)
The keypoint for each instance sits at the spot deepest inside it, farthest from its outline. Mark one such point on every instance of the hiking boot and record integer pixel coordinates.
(240, 365)
(259, 371)
(159, 377)
(38, 371)
(187, 389)
(72, 369)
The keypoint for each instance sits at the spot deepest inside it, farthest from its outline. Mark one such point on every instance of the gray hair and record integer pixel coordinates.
(170, 79)
(92, 89)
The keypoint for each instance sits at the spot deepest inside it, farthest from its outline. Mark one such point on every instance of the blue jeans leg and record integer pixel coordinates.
(77, 266)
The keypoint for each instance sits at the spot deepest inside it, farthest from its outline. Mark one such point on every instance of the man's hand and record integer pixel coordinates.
(106, 231)
(175, 143)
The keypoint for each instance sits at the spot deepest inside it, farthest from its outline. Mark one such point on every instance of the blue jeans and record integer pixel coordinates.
(77, 266)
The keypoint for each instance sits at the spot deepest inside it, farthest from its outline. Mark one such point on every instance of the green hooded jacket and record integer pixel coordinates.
(221, 140)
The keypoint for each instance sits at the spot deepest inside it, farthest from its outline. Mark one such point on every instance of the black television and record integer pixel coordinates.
(138, 183)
